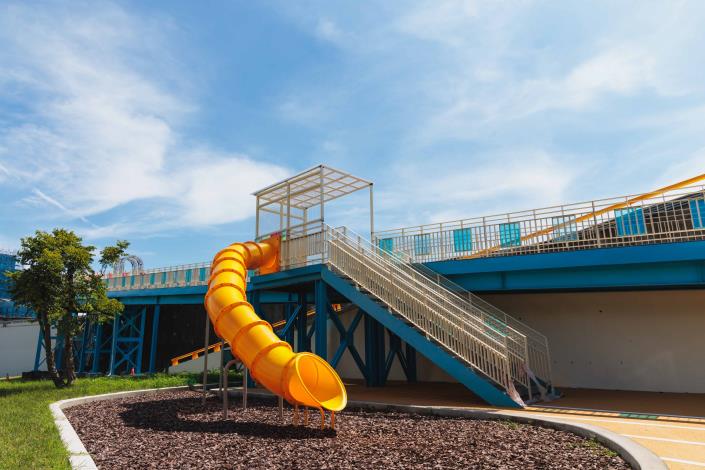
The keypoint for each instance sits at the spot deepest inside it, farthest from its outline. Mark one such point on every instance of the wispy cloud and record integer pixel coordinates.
(496, 106)
(328, 30)
(53, 202)
(102, 125)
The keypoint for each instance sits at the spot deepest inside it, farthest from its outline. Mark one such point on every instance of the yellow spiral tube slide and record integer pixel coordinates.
(300, 378)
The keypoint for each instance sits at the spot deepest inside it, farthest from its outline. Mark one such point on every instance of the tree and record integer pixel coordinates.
(110, 255)
(59, 285)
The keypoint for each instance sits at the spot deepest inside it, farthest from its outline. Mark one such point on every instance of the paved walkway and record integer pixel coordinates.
(670, 425)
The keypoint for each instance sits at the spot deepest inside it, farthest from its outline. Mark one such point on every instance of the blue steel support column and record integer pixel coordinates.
(321, 320)
(59, 352)
(302, 343)
(140, 347)
(410, 363)
(38, 355)
(114, 344)
(374, 352)
(288, 332)
(155, 337)
(84, 344)
(97, 348)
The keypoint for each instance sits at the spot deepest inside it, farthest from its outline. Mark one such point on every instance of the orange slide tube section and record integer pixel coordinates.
(300, 378)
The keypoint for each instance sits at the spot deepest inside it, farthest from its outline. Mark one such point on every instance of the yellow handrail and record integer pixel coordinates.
(607, 209)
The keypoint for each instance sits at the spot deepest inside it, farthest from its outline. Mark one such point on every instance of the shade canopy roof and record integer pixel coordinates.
(311, 188)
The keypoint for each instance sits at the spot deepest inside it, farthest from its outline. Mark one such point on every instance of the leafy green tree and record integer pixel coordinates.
(60, 286)
(110, 255)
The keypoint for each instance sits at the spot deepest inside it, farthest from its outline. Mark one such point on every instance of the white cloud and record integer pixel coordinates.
(53, 202)
(443, 21)
(302, 111)
(102, 125)
(327, 30)
(462, 189)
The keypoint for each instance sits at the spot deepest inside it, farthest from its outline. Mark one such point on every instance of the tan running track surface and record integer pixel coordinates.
(670, 425)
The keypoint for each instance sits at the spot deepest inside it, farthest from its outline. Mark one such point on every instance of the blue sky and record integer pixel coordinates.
(154, 121)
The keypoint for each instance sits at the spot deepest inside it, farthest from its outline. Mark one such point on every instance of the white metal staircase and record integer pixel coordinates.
(510, 354)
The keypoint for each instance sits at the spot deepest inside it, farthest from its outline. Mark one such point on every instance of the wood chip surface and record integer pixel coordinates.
(173, 430)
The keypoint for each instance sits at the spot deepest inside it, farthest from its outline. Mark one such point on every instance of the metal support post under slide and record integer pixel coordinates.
(224, 381)
(205, 355)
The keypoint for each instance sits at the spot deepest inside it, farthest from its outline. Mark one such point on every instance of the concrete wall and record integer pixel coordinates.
(18, 345)
(648, 340)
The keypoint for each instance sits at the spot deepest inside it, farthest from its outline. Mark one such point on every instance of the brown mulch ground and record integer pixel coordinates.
(173, 430)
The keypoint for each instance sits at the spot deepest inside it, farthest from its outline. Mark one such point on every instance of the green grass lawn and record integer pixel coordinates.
(28, 437)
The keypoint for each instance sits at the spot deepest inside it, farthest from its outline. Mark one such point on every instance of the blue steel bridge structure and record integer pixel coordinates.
(8, 310)
(656, 243)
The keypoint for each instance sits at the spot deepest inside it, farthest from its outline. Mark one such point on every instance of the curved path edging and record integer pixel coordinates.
(636, 455)
(79, 457)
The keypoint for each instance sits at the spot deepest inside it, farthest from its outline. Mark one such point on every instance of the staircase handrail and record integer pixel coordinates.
(477, 316)
(427, 289)
(490, 361)
(529, 344)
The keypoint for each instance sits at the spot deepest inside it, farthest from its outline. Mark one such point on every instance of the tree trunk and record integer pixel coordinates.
(70, 368)
(51, 364)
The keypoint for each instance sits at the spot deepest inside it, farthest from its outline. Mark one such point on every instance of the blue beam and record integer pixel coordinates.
(374, 352)
(84, 344)
(287, 278)
(155, 337)
(97, 348)
(665, 265)
(321, 320)
(186, 296)
(302, 343)
(114, 344)
(38, 354)
(143, 317)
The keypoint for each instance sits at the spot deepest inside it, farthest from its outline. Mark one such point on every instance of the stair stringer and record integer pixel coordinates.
(439, 356)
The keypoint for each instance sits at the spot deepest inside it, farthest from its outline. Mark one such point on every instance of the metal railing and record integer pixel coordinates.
(436, 318)
(454, 317)
(675, 215)
(528, 348)
(157, 278)
(538, 357)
